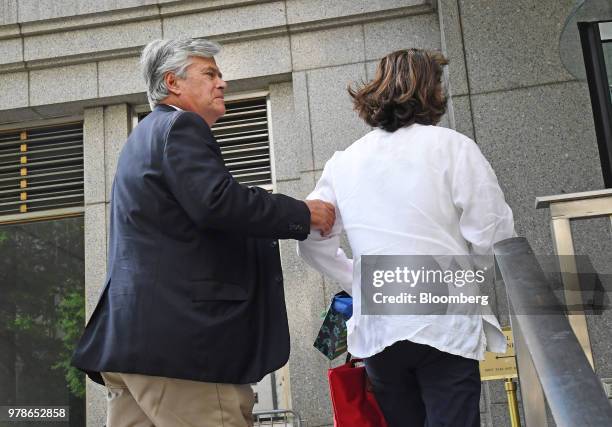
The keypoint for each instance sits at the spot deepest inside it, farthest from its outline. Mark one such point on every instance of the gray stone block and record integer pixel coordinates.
(117, 126)
(120, 77)
(298, 188)
(75, 108)
(452, 46)
(299, 11)
(63, 84)
(482, 403)
(445, 120)
(13, 90)
(499, 415)
(589, 239)
(90, 20)
(255, 58)
(513, 44)
(485, 415)
(35, 10)
(93, 155)
(18, 115)
(95, 254)
(108, 216)
(334, 124)
(305, 302)
(601, 342)
(225, 21)
(301, 126)
(8, 12)
(314, 49)
(462, 111)
(497, 392)
(371, 69)
(592, 238)
(540, 141)
(289, 153)
(92, 6)
(83, 41)
(419, 31)
(310, 396)
(308, 367)
(9, 31)
(11, 51)
(96, 403)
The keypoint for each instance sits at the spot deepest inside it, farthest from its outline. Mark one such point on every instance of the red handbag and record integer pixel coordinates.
(353, 402)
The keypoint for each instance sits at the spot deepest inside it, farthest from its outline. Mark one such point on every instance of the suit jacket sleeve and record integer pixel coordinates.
(197, 176)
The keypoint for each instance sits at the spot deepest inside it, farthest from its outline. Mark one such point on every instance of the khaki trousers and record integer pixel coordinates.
(146, 401)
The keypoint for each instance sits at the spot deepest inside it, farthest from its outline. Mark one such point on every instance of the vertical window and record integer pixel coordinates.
(596, 39)
(42, 304)
(605, 33)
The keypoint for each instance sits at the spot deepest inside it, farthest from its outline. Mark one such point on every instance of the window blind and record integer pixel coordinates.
(41, 169)
(243, 136)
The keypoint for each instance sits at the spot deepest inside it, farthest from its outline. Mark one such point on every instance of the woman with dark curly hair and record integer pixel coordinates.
(410, 187)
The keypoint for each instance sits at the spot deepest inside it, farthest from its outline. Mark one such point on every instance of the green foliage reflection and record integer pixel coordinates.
(42, 312)
(71, 320)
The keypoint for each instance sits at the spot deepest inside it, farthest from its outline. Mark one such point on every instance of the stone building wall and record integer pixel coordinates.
(507, 87)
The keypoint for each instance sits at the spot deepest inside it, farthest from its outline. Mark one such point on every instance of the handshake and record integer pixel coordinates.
(322, 215)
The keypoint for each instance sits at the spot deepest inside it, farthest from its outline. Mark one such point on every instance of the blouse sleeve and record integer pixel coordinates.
(485, 217)
(323, 252)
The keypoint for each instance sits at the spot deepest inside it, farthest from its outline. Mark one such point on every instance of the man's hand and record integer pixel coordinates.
(322, 215)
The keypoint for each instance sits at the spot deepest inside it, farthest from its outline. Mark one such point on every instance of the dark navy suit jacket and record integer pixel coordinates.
(194, 287)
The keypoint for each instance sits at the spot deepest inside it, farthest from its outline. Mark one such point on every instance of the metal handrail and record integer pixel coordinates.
(550, 360)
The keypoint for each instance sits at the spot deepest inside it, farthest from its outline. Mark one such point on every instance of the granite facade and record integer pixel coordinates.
(507, 90)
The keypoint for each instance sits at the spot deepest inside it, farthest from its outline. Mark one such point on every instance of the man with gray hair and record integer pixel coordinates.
(193, 309)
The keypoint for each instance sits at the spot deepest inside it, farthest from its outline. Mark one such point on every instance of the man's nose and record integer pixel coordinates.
(222, 84)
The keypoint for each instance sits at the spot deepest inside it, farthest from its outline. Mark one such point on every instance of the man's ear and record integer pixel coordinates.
(172, 83)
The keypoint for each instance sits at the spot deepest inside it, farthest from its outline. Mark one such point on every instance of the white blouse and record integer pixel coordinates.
(421, 190)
